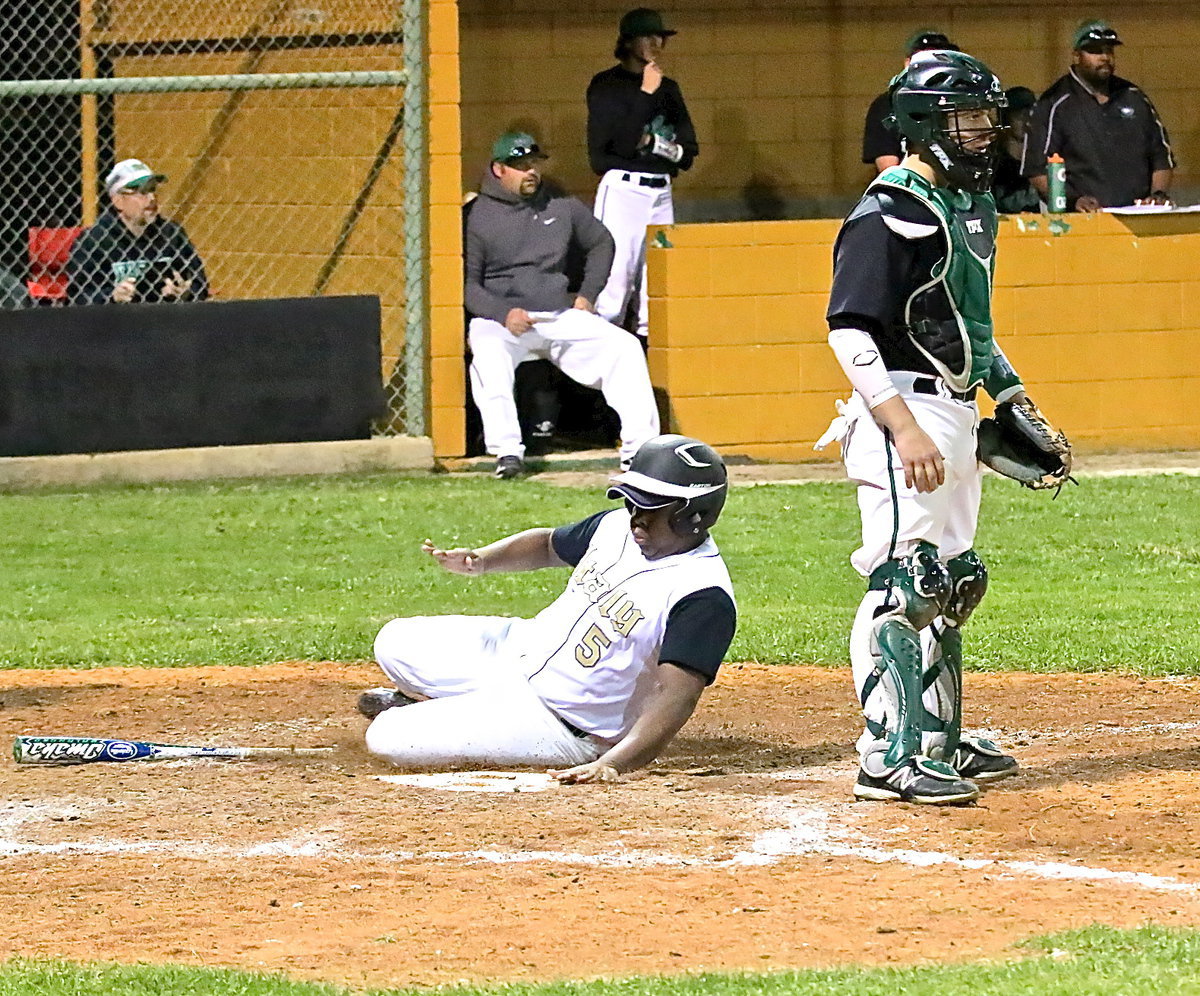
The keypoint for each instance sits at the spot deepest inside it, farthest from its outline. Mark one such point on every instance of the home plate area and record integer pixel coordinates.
(740, 849)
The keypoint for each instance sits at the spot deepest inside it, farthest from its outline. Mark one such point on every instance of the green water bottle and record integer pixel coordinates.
(1056, 184)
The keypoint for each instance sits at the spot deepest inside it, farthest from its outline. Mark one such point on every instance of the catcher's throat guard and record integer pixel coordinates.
(1019, 442)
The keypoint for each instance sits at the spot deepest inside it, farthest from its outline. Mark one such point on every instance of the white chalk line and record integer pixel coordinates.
(807, 830)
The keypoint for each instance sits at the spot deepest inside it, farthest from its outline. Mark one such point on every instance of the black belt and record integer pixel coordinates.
(930, 385)
(575, 731)
(647, 181)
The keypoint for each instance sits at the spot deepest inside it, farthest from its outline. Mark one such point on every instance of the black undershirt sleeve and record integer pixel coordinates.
(571, 542)
(700, 627)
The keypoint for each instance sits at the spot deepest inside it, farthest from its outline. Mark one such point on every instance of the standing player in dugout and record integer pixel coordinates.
(639, 137)
(910, 322)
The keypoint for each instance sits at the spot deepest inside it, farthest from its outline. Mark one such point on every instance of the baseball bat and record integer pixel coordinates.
(88, 750)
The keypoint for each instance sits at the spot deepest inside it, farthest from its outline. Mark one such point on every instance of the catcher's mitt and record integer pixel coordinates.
(1019, 443)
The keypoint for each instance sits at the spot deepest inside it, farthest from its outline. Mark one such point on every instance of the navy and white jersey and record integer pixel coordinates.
(591, 654)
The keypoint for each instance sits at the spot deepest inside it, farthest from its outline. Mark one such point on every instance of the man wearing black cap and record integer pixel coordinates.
(518, 236)
(882, 145)
(1013, 193)
(1110, 135)
(639, 137)
(599, 682)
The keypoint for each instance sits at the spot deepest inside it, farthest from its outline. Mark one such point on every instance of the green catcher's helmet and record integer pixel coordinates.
(933, 86)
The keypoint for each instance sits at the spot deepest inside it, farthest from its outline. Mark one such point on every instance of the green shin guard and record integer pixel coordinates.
(900, 657)
(947, 669)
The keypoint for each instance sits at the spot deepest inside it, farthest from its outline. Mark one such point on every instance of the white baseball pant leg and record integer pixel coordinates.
(597, 354)
(627, 209)
(495, 353)
(896, 517)
(481, 709)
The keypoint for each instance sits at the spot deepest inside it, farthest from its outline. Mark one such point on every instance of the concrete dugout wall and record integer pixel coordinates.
(1101, 321)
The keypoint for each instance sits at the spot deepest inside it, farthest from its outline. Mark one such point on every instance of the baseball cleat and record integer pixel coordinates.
(508, 467)
(980, 760)
(919, 779)
(376, 700)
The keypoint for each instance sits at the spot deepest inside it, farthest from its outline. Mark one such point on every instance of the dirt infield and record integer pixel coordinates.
(741, 850)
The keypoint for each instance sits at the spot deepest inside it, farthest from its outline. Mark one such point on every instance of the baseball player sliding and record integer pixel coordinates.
(910, 322)
(597, 683)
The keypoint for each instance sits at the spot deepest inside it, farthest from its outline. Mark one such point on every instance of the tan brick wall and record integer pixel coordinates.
(778, 89)
(1099, 321)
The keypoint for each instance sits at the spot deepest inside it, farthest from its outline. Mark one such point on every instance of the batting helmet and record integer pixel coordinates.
(669, 468)
(924, 98)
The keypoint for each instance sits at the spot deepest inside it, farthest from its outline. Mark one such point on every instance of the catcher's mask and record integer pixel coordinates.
(669, 469)
(926, 100)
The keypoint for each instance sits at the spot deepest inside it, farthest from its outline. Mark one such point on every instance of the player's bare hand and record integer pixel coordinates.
(923, 465)
(1088, 204)
(582, 774)
(518, 321)
(583, 304)
(124, 291)
(458, 561)
(652, 77)
(1156, 198)
(175, 285)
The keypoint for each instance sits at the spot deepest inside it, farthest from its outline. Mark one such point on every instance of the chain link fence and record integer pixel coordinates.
(290, 133)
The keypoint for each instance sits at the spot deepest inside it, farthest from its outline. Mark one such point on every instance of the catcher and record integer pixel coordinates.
(910, 322)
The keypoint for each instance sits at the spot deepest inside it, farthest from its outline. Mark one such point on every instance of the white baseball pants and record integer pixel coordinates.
(627, 207)
(582, 345)
(895, 518)
(479, 708)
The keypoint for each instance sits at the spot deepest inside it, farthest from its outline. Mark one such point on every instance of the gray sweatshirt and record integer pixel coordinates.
(517, 251)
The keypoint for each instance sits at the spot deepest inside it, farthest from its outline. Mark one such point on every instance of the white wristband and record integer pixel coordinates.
(859, 356)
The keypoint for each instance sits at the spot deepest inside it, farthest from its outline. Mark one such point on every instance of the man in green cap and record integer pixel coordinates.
(639, 137)
(1107, 130)
(519, 233)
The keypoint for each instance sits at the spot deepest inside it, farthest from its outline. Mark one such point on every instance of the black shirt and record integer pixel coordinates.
(876, 271)
(1013, 192)
(878, 138)
(109, 252)
(700, 626)
(620, 113)
(1110, 149)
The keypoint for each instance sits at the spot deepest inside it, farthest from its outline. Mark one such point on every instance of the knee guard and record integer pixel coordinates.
(968, 585)
(917, 586)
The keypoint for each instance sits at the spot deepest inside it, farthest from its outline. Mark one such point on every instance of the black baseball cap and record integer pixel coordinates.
(929, 40)
(1094, 35)
(1020, 98)
(644, 21)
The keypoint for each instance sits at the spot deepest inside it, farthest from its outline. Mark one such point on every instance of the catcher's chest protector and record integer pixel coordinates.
(962, 279)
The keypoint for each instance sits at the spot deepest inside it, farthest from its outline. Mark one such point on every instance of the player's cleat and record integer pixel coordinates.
(982, 761)
(376, 700)
(919, 779)
(508, 467)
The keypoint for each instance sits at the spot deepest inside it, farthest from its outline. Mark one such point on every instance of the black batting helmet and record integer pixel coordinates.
(671, 468)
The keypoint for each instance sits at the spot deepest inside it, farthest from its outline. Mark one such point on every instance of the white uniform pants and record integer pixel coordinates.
(582, 345)
(627, 207)
(480, 709)
(895, 518)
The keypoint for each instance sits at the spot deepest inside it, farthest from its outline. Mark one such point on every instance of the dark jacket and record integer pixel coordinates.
(620, 114)
(108, 253)
(517, 248)
(1111, 150)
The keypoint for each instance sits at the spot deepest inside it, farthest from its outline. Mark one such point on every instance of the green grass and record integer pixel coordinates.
(1144, 962)
(247, 572)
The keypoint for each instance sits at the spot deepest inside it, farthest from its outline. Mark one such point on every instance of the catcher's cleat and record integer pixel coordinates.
(376, 700)
(919, 779)
(508, 467)
(982, 761)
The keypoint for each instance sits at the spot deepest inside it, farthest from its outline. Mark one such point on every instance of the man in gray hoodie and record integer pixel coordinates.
(519, 233)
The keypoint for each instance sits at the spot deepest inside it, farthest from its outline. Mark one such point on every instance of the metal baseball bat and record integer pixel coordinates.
(88, 750)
